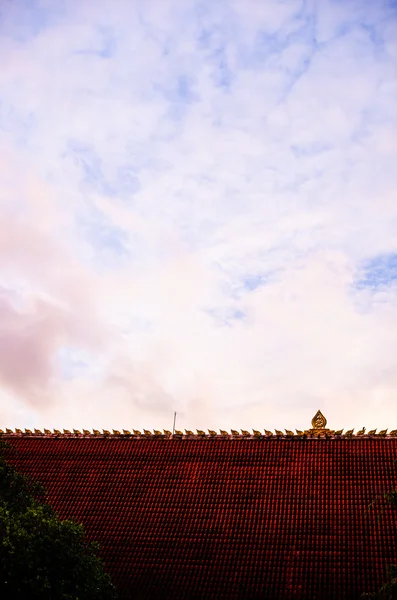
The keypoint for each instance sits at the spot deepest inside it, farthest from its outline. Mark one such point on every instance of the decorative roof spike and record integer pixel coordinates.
(223, 432)
(177, 432)
(268, 433)
(116, 432)
(361, 432)
(37, 432)
(299, 432)
(76, 432)
(47, 431)
(57, 432)
(350, 432)
(289, 433)
(1, 432)
(66, 431)
(234, 432)
(383, 432)
(136, 432)
(394, 432)
(245, 433)
(319, 421)
(339, 432)
(28, 431)
(126, 432)
(256, 433)
(212, 432)
(86, 432)
(147, 432)
(278, 432)
(188, 432)
(372, 432)
(157, 432)
(9, 430)
(200, 432)
(166, 432)
(20, 430)
(105, 432)
(96, 432)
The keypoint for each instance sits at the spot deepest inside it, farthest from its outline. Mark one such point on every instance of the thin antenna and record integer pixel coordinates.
(173, 428)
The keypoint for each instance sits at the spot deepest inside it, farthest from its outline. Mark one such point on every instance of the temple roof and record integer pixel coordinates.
(225, 516)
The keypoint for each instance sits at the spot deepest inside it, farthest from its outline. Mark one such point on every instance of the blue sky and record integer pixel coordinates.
(198, 212)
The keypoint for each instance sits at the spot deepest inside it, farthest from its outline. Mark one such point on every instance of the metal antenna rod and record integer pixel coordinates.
(173, 428)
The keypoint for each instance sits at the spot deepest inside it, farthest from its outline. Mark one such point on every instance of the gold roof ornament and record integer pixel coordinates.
(105, 432)
(116, 432)
(318, 424)
(394, 432)
(361, 432)
(383, 432)
(126, 432)
(76, 432)
(200, 432)
(188, 432)
(256, 433)
(166, 432)
(223, 432)
(86, 432)
(20, 430)
(96, 432)
(245, 433)
(289, 432)
(177, 432)
(212, 432)
(136, 432)
(57, 432)
(372, 432)
(278, 432)
(268, 433)
(234, 432)
(47, 431)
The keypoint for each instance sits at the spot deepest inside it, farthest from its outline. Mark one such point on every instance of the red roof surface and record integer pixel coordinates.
(223, 518)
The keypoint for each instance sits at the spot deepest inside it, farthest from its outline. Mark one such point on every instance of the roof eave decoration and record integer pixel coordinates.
(318, 429)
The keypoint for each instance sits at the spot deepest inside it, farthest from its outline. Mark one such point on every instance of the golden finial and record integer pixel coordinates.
(177, 432)
(256, 432)
(57, 432)
(245, 433)
(76, 432)
(289, 433)
(234, 432)
(157, 432)
(105, 432)
(350, 432)
(212, 432)
(20, 430)
(299, 432)
(96, 432)
(136, 432)
(361, 432)
(47, 431)
(394, 432)
(66, 432)
(126, 432)
(116, 432)
(268, 433)
(372, 432)
(188, 432)
(9, 430)
(38, 432)
(223, 432)
(319, 421)
(166, 432)
(1, 432)
(339, 432)
(200, 432)
(147, 432)
(28, 431)
(383, 432)
(278, 432)
(86, 432)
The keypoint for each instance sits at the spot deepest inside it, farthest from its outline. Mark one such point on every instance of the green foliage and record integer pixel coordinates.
(41, 556)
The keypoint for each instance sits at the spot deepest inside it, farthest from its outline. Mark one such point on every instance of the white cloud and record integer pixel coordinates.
(240, 160)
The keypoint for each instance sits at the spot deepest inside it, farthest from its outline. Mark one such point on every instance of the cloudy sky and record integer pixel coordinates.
(198, 213)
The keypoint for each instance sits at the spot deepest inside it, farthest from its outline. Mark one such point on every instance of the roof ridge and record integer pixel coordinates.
(200, 434)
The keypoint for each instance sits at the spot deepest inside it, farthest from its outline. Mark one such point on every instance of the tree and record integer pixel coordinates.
(388, 591)
(42, 556)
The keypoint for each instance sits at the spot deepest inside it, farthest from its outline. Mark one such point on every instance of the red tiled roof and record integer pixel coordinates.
(222, 517)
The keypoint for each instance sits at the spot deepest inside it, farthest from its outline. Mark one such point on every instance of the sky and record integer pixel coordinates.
(198, 213)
